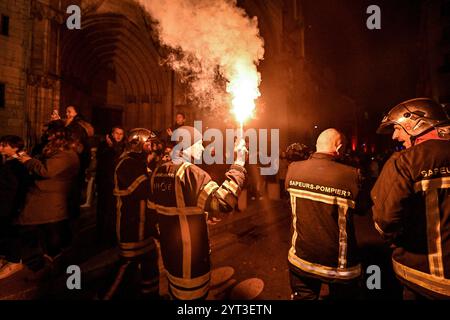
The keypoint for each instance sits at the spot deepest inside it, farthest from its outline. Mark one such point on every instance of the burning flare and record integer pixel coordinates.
(243, 87)
(212, 37)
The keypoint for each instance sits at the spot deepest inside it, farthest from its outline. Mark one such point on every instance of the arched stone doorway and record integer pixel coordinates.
(111, 68)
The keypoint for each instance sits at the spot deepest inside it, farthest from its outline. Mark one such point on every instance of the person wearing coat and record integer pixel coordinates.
(108, 153)
(81, 132)
(13, 188)
(49, 200)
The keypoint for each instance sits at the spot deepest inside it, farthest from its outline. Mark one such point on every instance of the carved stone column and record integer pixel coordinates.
(43, 75)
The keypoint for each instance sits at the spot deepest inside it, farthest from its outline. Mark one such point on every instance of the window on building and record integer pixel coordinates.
(4, 25)
(2, 95)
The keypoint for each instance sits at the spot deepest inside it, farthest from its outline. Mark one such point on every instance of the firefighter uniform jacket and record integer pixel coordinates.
(323, 197)
(181, 193)
(135, 227)
(412, 211)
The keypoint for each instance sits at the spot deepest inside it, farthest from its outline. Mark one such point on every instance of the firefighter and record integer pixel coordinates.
(182, 197)
(411, 203)
(134, 225)
(323, 195)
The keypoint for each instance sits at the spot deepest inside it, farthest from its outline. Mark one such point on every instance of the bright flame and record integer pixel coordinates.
(243, 87)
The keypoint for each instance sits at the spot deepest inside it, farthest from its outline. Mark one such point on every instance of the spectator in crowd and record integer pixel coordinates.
(13, 188)
(180, 120)
(49, 200)
(79, 131)
(297, 152)
(90, 179)
(107, 154)
(55, 115)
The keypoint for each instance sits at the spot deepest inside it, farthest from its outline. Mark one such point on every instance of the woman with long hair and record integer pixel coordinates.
(50, 198)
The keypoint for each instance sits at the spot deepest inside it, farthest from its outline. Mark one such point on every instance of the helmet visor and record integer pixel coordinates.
(386, 126)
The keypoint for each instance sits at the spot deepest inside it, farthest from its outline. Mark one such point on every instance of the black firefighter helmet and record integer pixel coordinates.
(415, 116)
(137, 137)
(297, 152)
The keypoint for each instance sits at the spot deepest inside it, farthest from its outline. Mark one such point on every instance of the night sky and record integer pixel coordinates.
(376, 68)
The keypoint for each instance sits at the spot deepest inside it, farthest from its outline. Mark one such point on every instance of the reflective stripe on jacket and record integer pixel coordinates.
(134, 226)
(323, 197)
(412, 211)
(181, 196)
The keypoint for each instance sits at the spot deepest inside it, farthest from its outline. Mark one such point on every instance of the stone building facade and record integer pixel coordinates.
(14, 48)
(435, 51)
(111, 70)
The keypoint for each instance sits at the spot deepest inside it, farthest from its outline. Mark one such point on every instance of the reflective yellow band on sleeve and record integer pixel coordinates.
(131, 188)
(209, 188)
(232, 187)
(222, 193)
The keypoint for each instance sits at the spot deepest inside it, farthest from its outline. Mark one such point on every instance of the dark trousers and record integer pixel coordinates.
(106, 213)
(283, 193)
(136, 278)
(308, 288)
(55, 237)
(413, 292)
(8, 238)
(409, 294)
(30, 243)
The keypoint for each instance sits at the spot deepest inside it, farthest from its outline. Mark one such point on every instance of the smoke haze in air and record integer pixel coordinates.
(212, 41)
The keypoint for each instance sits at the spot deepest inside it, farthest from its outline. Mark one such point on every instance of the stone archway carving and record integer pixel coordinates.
(115, 46)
